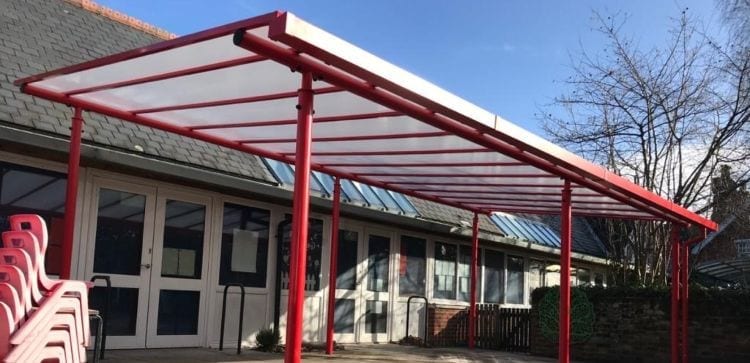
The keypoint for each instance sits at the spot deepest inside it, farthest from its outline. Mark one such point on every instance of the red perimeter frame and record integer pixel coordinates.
(348, 76)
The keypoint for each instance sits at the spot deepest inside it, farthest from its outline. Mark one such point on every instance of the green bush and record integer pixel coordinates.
(267, 340)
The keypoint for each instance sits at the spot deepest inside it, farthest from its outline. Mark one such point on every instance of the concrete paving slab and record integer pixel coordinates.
(351, 353)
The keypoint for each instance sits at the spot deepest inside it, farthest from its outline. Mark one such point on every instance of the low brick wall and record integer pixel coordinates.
(636, 329)
(446, 326)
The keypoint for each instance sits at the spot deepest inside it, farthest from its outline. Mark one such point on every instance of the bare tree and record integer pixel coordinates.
(666, 117)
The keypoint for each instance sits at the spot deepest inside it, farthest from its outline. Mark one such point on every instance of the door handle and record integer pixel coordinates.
(146, 265)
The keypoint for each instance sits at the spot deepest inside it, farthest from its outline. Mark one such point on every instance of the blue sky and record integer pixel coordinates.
(508, 57)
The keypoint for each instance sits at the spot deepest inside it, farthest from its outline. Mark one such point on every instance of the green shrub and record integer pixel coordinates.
(267, 340)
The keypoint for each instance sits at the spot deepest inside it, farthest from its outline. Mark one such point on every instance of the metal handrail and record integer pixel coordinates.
(104, 313)
(223, 315)
(426, 313)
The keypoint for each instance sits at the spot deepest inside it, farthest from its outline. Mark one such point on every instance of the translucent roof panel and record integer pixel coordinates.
(237, 86)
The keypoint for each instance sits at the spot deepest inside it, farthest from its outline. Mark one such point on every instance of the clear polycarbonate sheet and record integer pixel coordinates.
(399, 131)
(206, 52)
(247, 80)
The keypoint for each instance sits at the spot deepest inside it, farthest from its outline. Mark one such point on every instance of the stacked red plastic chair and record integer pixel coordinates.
(41, 319)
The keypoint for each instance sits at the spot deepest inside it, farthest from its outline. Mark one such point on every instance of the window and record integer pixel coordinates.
(314, 253)
(599, 280)
(493, 273)
(444, 281)
(376, 316)
(464, 273)
(552, 275)
(536, 275)
(583, 276)
(244, 245)
(119, 232)
(514, 289)
(412, 273)
(378, 251)
(346, 268)
(31, 190)
(343, 316)
(182, 255)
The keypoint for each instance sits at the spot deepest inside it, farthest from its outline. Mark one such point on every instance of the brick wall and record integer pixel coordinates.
(637, 330)
(446, 326)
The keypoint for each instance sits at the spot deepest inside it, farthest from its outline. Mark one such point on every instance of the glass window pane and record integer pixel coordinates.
(184, 224)
(378, 251)
(343, 316)
(123, 309)
(314, 253)
(119, 232)
(552, 275)
(584, 276)
(244, 245)
(599, 280)
(178, 312)
(30, 190)
(370, 196)
(493, 274)
(412, 273)
(514, 293)
(387, 200)
(346, 268)
(444, 281)
(464, 274)
(352, 193)
(404, 203)
(282, 171)
(376, 316)
(536, 275)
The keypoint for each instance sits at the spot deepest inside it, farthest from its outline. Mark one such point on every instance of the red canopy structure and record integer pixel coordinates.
(281, 88)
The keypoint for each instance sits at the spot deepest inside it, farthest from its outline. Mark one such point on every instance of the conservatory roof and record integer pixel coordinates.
(236, 86)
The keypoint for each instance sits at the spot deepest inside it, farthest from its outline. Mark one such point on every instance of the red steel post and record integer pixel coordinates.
(566, 215)
(685, 255)
(301, 209)
(333, 270)
(675, 303)
(473, 289)
(71, 193)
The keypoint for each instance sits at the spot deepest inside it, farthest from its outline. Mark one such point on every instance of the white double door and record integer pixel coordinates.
(153, 245)
(362, 305)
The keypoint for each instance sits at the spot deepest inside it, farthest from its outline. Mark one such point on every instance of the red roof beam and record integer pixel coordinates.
(395, 152)
(424, 165)
(462, 175)
(233, 101)
(350, 138)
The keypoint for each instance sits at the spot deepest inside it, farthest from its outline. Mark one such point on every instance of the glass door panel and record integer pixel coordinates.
(347, 281)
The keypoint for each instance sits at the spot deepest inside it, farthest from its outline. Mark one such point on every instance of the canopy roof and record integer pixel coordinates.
(236, 86)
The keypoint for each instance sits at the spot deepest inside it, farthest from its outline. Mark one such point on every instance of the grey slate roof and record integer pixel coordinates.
(42, 35)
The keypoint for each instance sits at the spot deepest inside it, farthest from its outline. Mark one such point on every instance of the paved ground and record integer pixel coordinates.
(357, 353)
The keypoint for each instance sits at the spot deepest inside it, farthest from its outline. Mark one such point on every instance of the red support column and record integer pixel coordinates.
(333, 270)
(71, 193)
(301, 208)
(685, 256)
(566, 216)
(473, 289)
(675, 303)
